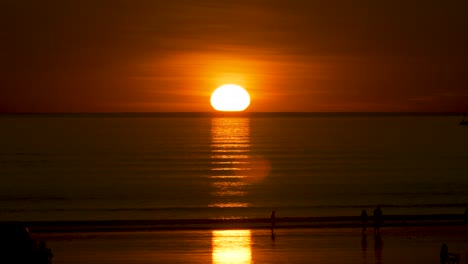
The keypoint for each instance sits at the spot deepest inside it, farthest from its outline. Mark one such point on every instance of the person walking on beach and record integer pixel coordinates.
(364, 220)
(273, 222)
(377, 220)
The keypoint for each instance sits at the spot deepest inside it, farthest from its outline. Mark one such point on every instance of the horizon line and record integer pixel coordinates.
(243, 113)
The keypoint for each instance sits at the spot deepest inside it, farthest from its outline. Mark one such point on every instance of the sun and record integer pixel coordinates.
(230, 98)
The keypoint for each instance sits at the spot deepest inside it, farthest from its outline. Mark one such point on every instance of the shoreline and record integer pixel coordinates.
(240, 223)
(296, 245)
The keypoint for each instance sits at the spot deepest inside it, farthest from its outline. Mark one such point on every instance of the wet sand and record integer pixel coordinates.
(297, 245)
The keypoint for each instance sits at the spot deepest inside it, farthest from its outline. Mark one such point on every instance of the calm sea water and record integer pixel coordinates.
(163, 167)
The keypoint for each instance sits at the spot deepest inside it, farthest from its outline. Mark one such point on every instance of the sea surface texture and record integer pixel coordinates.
(124, 167)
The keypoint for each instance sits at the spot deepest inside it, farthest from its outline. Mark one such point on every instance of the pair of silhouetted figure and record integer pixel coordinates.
(377, 220)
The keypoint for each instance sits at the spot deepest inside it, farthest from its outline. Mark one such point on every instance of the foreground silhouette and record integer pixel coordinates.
(17, 246)
(446, 257)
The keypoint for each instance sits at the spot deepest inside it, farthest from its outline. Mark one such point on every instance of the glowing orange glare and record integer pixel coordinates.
(230, 97)
(254, 169)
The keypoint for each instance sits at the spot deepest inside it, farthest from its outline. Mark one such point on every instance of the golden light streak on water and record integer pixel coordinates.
(229, 193)
(230, 146)
(229, 169)
(229, 150)
(233, 168)
(231, 246)
(228, 177)
(228, 184)
(227, 144)
(229, 162)
(231, 157)
(229, 205)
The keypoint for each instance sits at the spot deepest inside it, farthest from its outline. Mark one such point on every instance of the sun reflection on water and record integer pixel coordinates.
(231, 246)
(230, 146)
(233, 166)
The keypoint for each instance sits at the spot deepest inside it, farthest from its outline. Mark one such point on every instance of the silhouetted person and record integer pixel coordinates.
(443, 254)
(364, 220)
(273, 222)
(377, 220)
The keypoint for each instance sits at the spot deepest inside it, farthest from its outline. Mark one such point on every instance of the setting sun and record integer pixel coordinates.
(230, 97)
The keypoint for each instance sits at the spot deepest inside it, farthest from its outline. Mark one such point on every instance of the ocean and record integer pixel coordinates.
(197, 166)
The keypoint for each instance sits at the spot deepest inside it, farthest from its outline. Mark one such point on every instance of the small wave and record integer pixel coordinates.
(16, 198)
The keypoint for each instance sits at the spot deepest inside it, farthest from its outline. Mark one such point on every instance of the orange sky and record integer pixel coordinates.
(151, 56)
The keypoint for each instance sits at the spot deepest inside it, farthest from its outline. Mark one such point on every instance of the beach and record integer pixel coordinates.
(300, 245)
